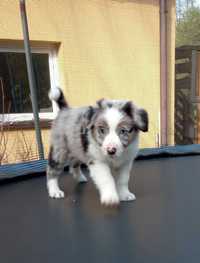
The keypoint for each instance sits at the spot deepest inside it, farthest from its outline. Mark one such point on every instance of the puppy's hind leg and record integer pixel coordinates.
(54, 169)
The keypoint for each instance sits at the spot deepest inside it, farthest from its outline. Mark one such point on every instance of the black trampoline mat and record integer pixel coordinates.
(162, 225)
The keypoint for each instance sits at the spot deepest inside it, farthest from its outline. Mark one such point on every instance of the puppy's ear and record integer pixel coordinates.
(142, 120)
(104, 104)
(128, 108)
(139, 116)
(90, 116)
(101, 103)
(89, 113)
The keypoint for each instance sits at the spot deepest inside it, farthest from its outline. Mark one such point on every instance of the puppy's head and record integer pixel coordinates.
(117, 124)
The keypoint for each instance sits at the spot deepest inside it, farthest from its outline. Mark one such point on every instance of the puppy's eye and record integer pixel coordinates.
(123, 131)
(101, 130)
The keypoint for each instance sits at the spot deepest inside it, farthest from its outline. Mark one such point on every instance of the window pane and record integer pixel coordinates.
(14, 86)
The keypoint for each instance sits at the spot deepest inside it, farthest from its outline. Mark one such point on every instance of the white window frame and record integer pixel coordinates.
(54, 82)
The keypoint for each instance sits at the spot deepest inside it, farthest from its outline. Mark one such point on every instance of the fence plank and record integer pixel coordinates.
(183, 68)
(183, 83)
(183, 53)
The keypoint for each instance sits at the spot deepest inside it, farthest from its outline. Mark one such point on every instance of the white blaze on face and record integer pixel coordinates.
(112, 140)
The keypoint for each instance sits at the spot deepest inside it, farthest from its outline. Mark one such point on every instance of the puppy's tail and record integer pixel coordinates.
(58, 96)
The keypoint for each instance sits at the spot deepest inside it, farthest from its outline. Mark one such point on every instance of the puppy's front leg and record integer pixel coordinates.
(122, 180)
(102, 177)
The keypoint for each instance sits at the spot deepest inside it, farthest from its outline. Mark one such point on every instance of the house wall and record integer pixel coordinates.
(106, 49)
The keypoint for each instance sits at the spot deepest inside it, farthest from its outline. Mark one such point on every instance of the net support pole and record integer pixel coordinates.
(31, 78)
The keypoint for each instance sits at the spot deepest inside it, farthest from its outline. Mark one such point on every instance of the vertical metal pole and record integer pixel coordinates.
(163, 73)
(31, 78)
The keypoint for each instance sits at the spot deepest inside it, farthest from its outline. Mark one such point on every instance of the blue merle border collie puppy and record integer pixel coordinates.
(104, 137)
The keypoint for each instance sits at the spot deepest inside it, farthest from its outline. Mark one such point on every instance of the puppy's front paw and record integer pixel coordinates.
(126, 196)
(56, 193)
(109, 199)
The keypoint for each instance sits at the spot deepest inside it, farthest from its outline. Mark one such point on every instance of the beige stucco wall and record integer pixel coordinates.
(108, 48)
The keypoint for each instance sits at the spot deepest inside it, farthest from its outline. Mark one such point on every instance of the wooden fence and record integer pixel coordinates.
(186, 95)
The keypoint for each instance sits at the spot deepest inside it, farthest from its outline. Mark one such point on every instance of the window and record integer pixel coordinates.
(14, 86)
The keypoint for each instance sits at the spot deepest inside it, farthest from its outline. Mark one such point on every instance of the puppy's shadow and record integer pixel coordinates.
(79, 188)
(74, 190)
(79, 191)
(85, 195)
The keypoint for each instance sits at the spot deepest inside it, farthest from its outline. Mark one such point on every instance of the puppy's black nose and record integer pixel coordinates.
(111, 151)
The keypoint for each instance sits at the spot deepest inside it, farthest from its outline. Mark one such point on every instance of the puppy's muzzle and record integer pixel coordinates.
(111, 150)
